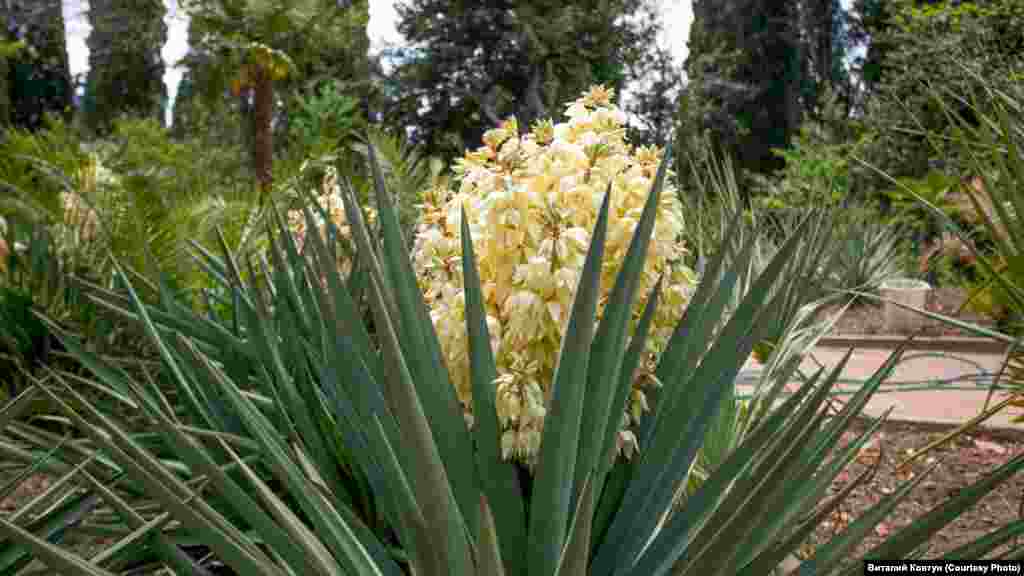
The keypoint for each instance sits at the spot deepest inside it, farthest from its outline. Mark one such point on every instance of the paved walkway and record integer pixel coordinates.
(945, 406)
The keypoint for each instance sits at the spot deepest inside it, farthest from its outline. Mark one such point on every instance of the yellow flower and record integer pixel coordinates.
(544, 131)
(494, 138)
(532, 201)
(79, 218)
(599, 96)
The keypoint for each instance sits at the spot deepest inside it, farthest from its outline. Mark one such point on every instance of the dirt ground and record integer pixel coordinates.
(868, 318)
(959, 465)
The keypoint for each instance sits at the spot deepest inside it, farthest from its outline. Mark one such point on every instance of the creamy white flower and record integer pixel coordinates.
(532, 202)
(577, 110)
(329, 201)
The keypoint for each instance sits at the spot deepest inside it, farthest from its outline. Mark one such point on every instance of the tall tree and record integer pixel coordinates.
(959, 47)
(825, 36)
(745, 69)
(869, 26)
(475, 63)
(756, 70)
(35, 78)
(125, 66)
(653, 78)
(237, 47)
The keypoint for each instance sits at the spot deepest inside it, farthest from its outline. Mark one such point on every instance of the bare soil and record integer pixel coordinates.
(869, 318)
(958, 464)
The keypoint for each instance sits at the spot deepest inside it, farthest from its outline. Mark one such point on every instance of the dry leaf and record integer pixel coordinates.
(868, 454)
(904, 473)
(838, 521)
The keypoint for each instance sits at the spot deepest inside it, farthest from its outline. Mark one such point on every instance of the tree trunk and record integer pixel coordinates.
(825, 42)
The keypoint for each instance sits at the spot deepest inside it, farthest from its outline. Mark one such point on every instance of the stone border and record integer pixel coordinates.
(947, 344)
(1000, 432)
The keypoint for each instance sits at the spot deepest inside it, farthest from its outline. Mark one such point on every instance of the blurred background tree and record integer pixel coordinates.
(34, 75)
(126, 68)
(325, 42)
(791, 91)
(757, 70)
(950, 44)
(470, 65)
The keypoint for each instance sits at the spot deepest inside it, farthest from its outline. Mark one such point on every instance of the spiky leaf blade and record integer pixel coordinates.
(498, 477)
(551, 502)
(609, 347)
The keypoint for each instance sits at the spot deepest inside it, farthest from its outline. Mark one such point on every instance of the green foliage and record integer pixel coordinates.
(287, 440)
(308, 31)
(868, 251)
(125, 63)
(908, 213)
(991, 299)
(168, 193)
(1002, 17)
(34, 77)
(315, 53)
(324, 119)
(817, 172)
(476, 64)
(991, 139)
(29, 193)
(966, 47)
(757, 69)
(325, 40)
(704, 127)
(11, 49)
(716, 205)
(21, 334)
(150, 195)
(919, 207)
(819, 165)
(407, 171)
(35, 281)
(994, 149)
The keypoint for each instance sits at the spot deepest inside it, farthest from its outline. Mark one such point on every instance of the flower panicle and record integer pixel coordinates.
(531, 200)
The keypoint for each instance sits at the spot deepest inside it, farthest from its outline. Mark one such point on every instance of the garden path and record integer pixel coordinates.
(927, 386)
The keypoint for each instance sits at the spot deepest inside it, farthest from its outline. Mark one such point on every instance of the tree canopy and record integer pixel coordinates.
(470, 65)
(34, 75)
(756, 69)
(126, 68)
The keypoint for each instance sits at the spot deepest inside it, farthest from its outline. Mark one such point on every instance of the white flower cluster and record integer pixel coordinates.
(330, 200)
(81, 221)
(532, 201)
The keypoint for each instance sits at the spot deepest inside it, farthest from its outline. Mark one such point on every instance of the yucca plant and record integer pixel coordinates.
(293, 441)
(868, 252)
(716, 204)
(34, 279)
(407, 171)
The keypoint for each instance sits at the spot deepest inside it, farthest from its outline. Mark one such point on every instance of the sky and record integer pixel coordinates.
(679, 12)
(381, 30)
(76, 27)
